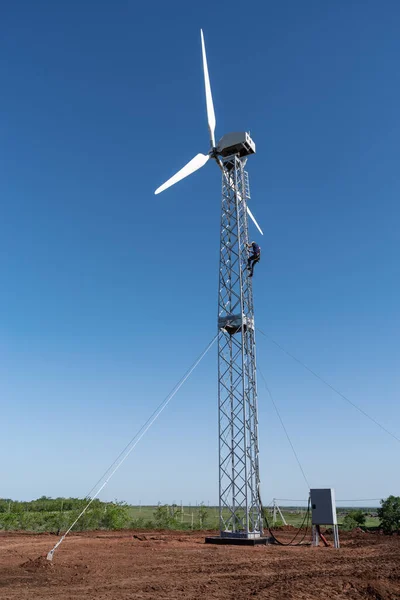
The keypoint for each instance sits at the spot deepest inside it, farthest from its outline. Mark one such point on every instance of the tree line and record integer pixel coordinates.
(56, 514)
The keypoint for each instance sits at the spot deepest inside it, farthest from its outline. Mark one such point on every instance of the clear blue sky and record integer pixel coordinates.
(108, 293)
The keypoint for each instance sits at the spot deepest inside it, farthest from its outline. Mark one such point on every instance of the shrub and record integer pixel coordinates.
(162, 517)
(349, 523)
(115, 517)
(167, 517)
(138, 523)
(389, 514)
(359, 517)
(8, 522)
(353, 519)
(203, 514)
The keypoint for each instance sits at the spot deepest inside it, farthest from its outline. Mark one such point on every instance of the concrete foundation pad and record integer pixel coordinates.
(238, 541)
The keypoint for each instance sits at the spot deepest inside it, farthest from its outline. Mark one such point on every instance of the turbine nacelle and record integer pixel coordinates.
(236, 143)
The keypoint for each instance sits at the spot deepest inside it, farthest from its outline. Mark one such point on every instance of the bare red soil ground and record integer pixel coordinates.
(172, 565)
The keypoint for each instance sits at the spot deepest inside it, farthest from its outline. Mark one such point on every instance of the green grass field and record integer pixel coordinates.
(57, 515)
(294, 517)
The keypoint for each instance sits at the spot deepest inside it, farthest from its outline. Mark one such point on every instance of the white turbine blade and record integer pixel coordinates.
(196, 163)
(254, 221)
(209, 100)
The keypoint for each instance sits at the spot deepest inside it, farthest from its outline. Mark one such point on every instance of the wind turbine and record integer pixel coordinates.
(228, 142)
(240, 511)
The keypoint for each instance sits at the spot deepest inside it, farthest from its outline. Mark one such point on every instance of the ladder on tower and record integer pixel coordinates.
(246, 185)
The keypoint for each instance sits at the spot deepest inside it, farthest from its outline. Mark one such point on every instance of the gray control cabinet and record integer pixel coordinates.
(323, 507)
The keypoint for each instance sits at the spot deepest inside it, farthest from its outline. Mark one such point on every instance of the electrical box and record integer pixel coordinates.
(323, 507)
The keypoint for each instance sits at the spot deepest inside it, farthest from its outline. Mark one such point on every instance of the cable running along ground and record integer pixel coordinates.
(330, 386)
(291, 543)
(133, 443)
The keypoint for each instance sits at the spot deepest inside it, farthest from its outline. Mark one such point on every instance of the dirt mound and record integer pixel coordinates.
(380, 591)
(37, 564)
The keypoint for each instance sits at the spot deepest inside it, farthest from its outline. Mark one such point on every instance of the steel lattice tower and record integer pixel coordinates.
(239, 504)
(239, 499)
